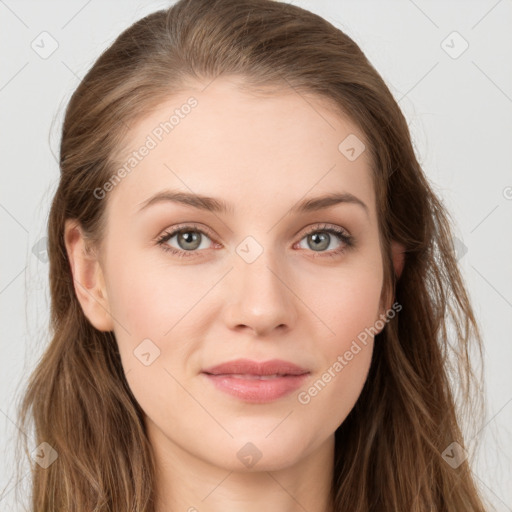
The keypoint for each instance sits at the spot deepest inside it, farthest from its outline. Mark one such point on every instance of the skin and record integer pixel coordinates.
(261, 155)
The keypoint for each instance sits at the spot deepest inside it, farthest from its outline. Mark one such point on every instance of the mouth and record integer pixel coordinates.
(255, 382)
(244, 367)
(250, 376)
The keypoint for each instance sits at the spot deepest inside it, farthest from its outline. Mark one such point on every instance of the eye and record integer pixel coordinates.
(320, 237)
(190, 238)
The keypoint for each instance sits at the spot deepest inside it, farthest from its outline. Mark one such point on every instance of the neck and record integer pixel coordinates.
(187, 483)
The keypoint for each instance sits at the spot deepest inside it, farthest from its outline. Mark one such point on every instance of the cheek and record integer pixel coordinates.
(165, 304)
(332, 393)
(347, 303)
(349, 310)
(150, 305)
(149, 299)
(335, 387)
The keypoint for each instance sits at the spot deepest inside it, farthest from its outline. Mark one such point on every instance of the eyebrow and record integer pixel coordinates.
(218, 206)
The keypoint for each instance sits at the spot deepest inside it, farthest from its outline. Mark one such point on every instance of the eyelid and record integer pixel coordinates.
(191, 226)
(324, 226)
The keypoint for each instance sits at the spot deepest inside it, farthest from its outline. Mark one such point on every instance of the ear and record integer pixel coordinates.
(398, 254)
(87, 278)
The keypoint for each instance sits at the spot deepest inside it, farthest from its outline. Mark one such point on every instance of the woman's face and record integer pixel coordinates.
(261, 280)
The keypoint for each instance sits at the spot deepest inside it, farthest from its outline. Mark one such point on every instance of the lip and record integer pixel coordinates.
(256, 382)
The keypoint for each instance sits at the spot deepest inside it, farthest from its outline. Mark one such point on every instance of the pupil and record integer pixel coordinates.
(318, 238)
(189, 237)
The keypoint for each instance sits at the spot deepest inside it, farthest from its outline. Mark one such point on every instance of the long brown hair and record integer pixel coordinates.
(391, 451)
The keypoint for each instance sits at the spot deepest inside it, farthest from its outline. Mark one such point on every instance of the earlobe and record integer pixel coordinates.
(398, 254)
(87, 278)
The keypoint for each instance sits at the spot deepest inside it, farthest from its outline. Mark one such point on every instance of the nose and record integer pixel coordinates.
(259, 296)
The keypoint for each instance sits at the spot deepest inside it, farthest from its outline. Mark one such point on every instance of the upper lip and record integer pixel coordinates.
(248, 367)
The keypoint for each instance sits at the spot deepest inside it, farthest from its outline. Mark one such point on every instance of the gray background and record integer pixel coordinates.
(458, 105)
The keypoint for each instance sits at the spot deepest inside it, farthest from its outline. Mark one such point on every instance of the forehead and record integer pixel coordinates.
(247, 148)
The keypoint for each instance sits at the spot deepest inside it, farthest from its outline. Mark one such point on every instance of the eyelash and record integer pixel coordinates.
(348, 240)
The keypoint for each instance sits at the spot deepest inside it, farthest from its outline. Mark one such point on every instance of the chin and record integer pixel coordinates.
(260, 453)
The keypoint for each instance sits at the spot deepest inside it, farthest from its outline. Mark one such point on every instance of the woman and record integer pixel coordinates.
(251, 280)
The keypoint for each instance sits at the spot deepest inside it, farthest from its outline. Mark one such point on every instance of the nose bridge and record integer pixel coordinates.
(260, 298)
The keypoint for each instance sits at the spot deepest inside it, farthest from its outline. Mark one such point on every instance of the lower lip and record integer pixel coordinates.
(257, 390)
